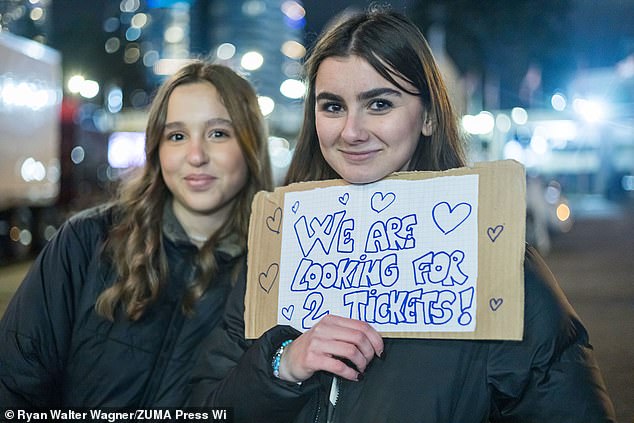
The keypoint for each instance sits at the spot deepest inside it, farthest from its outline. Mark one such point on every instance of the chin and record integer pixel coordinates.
(362, 179)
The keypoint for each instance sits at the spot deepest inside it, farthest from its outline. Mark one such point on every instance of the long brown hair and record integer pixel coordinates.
(134, 243)
(394, 47)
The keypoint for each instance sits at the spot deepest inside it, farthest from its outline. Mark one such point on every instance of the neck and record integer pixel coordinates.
(198, 238)
(199, 228)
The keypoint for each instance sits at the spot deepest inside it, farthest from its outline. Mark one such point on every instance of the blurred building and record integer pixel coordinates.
(264, 39)
(30, 19)
(261, 39)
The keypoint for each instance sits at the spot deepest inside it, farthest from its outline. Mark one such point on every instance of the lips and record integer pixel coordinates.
(199, 181)
(359, 156)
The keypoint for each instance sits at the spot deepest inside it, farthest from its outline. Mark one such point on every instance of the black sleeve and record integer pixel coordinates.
(551, 375)
(237, 373)
(35, 330)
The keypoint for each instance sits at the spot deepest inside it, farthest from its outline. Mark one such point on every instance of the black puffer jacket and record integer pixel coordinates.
(550, 376)
(56, 351)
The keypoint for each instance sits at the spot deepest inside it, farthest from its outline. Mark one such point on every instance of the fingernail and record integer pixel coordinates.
(359, 377)
(382, 355)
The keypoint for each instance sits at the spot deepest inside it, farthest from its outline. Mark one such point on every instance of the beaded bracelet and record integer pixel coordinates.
(275, 363)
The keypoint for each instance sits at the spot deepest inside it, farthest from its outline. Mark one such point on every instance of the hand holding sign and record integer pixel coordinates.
(341, 346)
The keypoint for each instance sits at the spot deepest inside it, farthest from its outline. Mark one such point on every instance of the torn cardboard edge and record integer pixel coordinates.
(500, 283)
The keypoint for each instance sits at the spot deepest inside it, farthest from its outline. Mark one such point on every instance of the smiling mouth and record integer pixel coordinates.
(359, 156)
(199, 181)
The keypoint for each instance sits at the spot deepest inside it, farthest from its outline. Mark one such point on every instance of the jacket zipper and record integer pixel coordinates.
(318, 411)
(336, 384)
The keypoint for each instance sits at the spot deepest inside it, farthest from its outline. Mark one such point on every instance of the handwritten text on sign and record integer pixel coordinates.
(401, 255)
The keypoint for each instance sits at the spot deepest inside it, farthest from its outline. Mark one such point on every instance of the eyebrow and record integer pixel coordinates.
(366, 95)
(210, 122)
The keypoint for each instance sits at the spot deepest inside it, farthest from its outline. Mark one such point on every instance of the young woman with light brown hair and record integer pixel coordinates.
(113, 310)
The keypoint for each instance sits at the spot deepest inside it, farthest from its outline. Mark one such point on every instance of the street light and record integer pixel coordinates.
(252, 60)
(86, 88)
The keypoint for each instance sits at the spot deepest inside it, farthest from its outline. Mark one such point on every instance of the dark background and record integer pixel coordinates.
(491, 37)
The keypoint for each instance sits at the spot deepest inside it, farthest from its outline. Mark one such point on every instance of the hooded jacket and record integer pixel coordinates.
(56, 351)
(549, 376)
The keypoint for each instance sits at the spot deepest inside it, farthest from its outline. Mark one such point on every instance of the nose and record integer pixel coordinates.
(354, 130)
(197, 154)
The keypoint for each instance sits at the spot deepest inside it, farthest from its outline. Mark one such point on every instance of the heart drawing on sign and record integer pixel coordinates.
(495, 303)
(274, 222)
(448, 218)
(267, 279)
(493, 233)
(380, 202)
(295, 207)
(287, 312)
(343, 199)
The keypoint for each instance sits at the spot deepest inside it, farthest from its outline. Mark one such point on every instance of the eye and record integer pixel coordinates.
(330, 107)
(380, 105)
(219, 134)
(175, 136)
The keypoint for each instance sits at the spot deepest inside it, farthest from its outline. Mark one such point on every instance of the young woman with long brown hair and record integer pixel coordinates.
(113, 310)
(376, 104)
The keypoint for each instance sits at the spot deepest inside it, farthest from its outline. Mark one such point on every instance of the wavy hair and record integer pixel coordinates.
(135, 243)
(395, 48)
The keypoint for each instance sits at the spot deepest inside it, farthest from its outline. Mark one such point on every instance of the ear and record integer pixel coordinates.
(428, 126)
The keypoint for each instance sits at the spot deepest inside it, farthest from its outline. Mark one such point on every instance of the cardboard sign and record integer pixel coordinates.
(416, 255)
